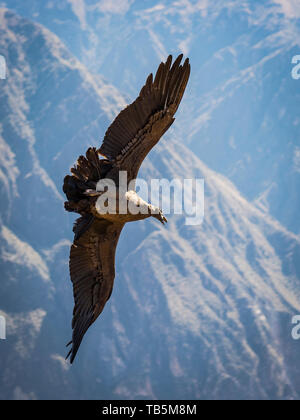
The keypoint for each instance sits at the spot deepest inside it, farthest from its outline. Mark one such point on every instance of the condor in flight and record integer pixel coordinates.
(127, 142)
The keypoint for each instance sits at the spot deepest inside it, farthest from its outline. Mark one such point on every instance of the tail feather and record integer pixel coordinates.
(85, 175)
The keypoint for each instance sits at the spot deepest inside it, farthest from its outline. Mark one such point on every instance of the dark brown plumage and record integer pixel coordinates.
(127, 142)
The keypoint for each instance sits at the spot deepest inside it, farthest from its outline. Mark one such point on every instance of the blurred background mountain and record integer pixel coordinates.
(196, 312)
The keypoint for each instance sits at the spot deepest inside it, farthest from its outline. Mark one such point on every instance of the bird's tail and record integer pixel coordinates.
(85, 175)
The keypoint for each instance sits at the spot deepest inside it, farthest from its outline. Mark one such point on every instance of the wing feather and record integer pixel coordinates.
(140, 125)
(92, 271)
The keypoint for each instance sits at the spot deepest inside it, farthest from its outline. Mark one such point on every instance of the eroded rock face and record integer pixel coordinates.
(196, 312)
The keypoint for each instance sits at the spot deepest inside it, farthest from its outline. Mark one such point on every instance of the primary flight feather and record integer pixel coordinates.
(127, 142)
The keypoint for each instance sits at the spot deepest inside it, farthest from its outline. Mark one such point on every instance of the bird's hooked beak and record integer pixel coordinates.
(161, 217)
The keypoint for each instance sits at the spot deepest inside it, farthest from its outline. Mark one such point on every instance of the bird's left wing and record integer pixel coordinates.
(140, 125)
(92, 271)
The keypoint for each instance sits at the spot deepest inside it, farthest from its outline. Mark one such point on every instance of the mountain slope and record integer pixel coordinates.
(242, 107)
(196, 312)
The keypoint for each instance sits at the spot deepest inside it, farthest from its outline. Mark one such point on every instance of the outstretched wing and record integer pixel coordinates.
(92, 270)
(140, 125)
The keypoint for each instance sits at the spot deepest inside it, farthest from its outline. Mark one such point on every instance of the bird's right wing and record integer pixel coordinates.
(92, 271)
(140, 125)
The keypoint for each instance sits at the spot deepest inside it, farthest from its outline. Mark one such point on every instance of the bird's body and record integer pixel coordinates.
(126, 143)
